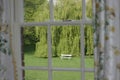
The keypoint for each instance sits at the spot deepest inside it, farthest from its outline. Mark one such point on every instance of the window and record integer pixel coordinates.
(52, 16)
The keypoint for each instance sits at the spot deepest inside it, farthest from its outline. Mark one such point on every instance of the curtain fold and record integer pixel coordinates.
(99, 38)
(106, 39)
(110, 45)
(6, 65)
(2, 43)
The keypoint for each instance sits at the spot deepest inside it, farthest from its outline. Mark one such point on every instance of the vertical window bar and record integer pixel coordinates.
(10, 10)
(49, 52)
(49, 41)
(82, 40)
(95, 55)
(82, 53)
(18, 18)
(83, 9)
(17, 35)
(22, 52)
(51, 10)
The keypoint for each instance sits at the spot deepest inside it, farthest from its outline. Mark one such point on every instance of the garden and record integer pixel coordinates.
(65, 39)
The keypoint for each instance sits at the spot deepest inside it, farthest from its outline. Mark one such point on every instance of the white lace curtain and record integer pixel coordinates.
(107, 39)
(106, 36)
(6, 65)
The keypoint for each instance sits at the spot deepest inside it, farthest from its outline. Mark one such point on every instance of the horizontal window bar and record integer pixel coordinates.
(58, 23)
(73, 69)
(57, 69)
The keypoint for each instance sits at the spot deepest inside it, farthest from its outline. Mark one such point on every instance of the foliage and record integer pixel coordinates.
(69, 41)
(30, 8)
(65, 40)
(41, 46)
(68, 10)
(29, 36)
(89, 40)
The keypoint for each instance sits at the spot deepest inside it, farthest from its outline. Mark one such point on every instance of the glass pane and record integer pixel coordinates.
(64, 75)
(36, 75)
(74, 62)
(89, 62)
(35, 46)
(89, 50)
(89, 8)
(89, 76)
(68, 9)
(36, 10)
(66, 46)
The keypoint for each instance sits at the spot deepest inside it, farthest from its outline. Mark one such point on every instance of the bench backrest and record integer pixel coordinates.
(66, 56)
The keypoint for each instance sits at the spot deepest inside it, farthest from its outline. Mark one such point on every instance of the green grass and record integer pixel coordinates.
(31, 60)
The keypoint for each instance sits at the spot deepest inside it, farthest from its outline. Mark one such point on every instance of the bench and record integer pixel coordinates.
(66, 56)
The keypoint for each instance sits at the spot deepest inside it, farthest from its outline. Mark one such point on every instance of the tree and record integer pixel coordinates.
(89, 31)
(42, 14)
(65, 40)
(30, 8)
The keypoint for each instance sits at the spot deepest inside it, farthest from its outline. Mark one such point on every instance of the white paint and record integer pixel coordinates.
(66, 56)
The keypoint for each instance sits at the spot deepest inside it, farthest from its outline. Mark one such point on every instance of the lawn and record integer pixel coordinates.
(31, 60)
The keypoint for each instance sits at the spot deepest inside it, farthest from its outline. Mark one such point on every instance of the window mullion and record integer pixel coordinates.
(58, 23)
(82, 40)
(51, 10)
(18, 19)
(56, 69)
(82, 53)
(95, 50)
(83, 10)
(49, 52)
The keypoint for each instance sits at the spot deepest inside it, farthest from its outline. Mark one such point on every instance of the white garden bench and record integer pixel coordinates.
(66, 56)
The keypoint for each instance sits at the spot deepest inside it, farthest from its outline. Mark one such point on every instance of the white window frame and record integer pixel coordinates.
(17, 21)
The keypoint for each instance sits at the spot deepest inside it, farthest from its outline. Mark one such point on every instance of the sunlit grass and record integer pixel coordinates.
(31, 60)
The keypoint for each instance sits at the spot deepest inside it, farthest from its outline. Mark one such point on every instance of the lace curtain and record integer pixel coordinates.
(6, 66)
(106, 39)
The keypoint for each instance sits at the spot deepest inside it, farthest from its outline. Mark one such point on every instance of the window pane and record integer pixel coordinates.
(89, 62)
(68, 9)
(89, 76)
(89, 8)
(74, 62)
(64, 75)
(36, 75)
(35, 50)
(89, 50)
(66, 46)
(36, 10)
